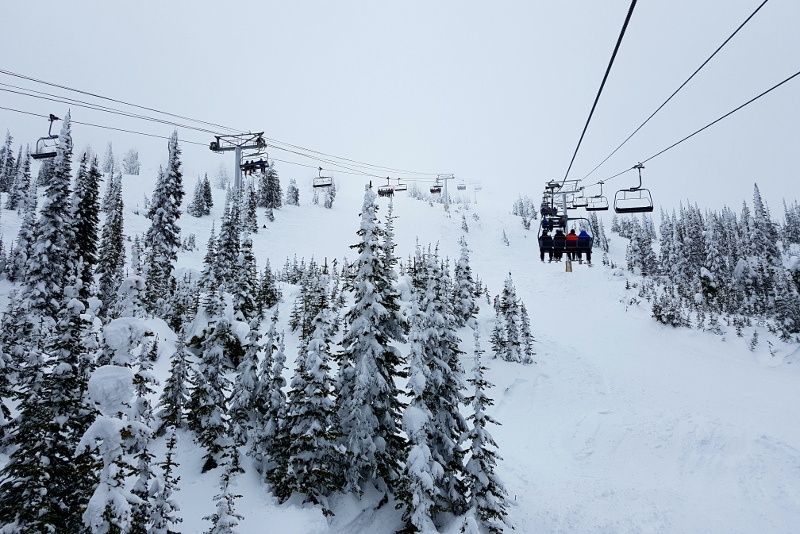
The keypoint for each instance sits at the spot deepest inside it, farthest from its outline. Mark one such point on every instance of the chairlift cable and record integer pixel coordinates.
(182, 117)
(724, 116)
(95, 107)
(602, 84)
(796, 74)
(29, 78)
(677, 90)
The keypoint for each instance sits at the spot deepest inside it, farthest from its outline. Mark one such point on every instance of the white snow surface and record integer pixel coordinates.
(111, 389)
(621, 425)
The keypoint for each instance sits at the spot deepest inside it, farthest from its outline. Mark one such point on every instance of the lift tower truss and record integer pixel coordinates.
(237, 143)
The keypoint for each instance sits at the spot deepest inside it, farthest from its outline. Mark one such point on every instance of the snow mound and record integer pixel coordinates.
(111, 388)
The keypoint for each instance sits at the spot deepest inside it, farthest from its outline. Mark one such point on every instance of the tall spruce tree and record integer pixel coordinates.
(86, 215)
(487, 494)
(163, 238)
(419, 490)
(52, 259)
(38, 495)
(368, 405)
(314, 460)
(111, 260)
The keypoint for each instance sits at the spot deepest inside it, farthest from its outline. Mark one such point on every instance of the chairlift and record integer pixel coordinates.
(461, 186)
(46, 146)
(557, 244)
(597, 202)
(478, 187)
(635, 199)
(580, 201)
(323, 181)
(400, 186)
(386, 190)
(249, 164)
(436, 188)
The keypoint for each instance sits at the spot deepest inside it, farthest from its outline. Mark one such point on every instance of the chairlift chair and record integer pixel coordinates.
(461, 186)
(635, 199)
(597, 202)
(478, 187)
(249, 163)
(400, 186)
(46, 146)
(436, 188)
(580, 201)
(557, 246)
(386, 190)
(322, 181)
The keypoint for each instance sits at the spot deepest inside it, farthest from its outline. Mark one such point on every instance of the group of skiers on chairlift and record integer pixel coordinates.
(573, 244)
(249, 166)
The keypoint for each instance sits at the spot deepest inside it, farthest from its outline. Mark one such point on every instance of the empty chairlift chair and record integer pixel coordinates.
(635, 199)
(323, 181)
(46, 146)
(597, 202)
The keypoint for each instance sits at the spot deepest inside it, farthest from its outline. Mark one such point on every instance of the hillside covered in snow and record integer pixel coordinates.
(619, 420)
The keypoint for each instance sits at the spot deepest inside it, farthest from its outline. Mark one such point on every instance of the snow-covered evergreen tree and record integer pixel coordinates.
(162, 514)
(130, 163)
(330, 195)
(292, 193)
(487, 494)
(368, 405)
(163, 238)
(22, 250)
(207, 407)
(225, 519)
(269, 445)
(314, 461)
(109, 163)
(269, 294)
(464, 306)
(207, 196)
(86, 214)
(52, 259)
(45, 485)
(418, 489)
(18, 190)
(197, 207)
(243, 409)
(115, 440)
(175, 395)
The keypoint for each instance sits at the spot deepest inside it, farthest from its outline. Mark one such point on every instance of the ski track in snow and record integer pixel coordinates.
(622, 425)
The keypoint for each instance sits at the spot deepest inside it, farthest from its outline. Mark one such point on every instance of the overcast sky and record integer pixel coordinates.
(490, 91)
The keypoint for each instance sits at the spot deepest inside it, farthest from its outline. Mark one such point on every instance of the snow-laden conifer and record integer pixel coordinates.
(163, 238)
(163, 512)
(314, 461)
(86, 210)
(22, 250)
(52, 260)
(243, 409)
(270, 401)
(45, 485)
(418, 489)
(292, 193)
(175, 395)
(225, 519)
(487, 494)
(368, 405)
(464, 306)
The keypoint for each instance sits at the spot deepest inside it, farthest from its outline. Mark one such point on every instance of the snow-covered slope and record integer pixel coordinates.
(622, 425)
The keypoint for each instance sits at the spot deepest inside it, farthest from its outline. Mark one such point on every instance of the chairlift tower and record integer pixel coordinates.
(237, 143)
(445, 178)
